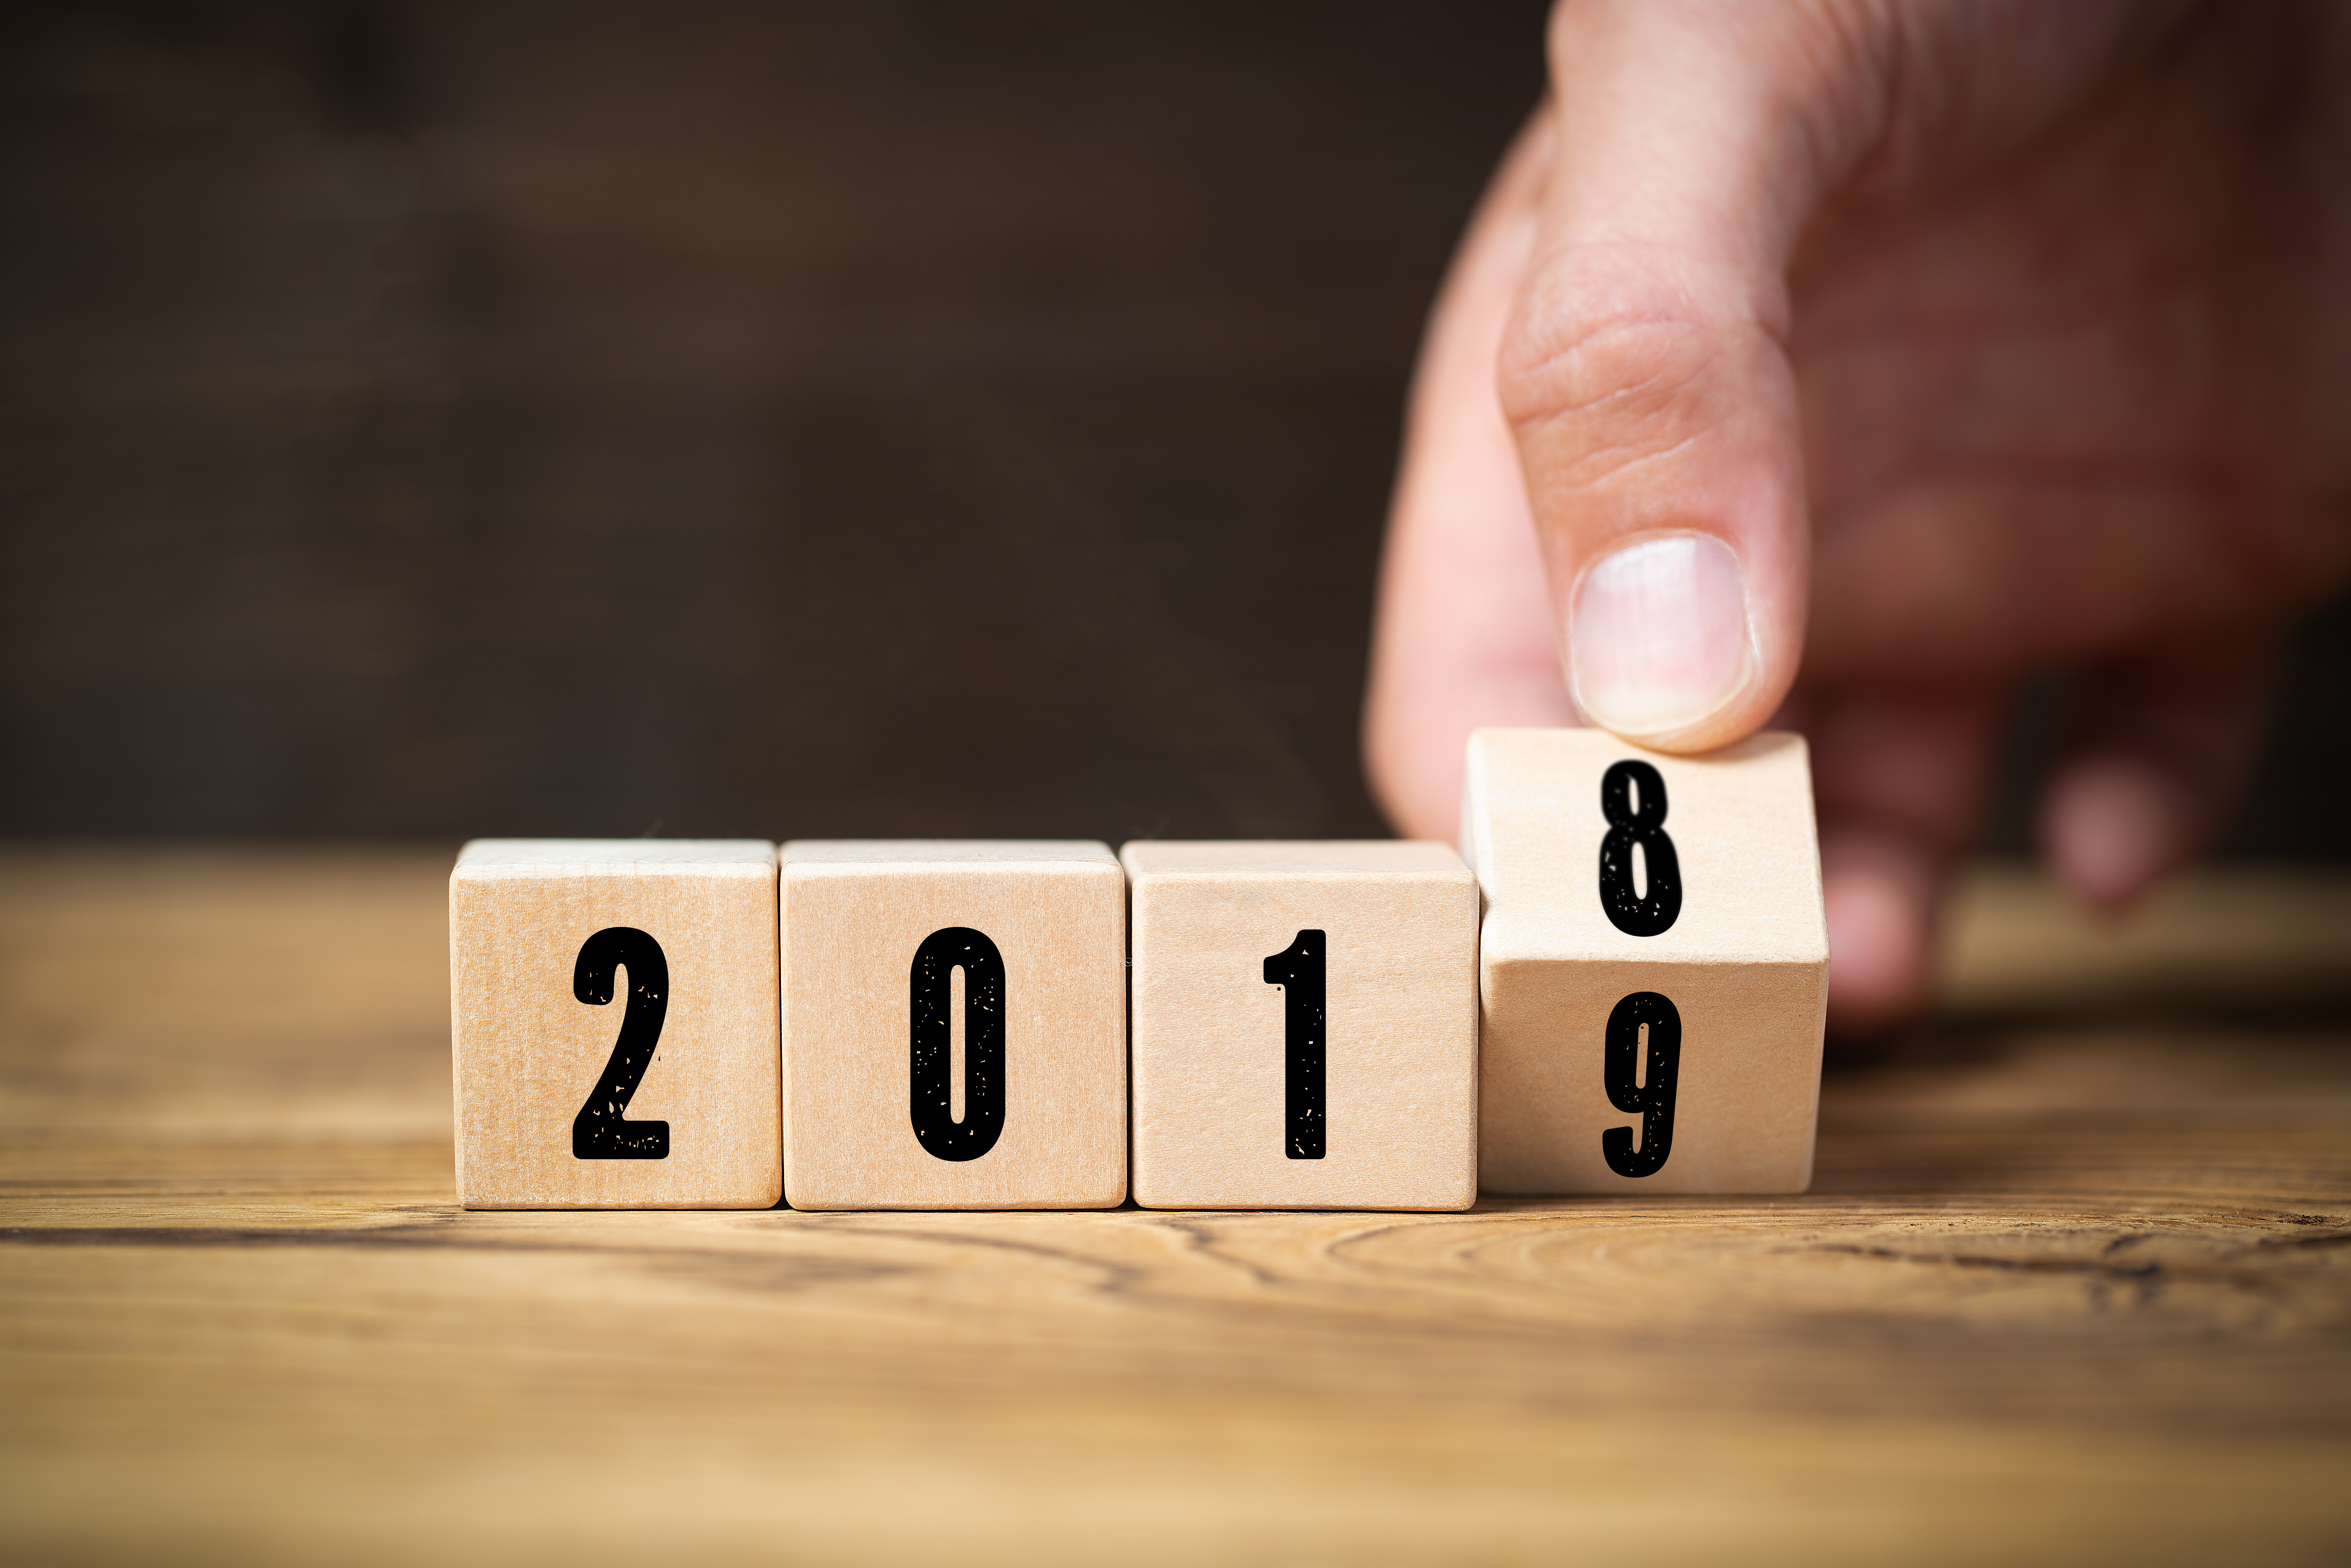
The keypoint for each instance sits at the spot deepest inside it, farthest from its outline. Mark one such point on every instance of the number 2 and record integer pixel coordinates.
(1637, 915)
(1298, 971)
(1639, 1088)
(602, 1130)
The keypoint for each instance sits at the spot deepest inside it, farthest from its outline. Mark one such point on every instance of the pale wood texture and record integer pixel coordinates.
(854, 913)
(528, 1053)
(2072, 1285)
(1399, 924)
(1745, 964)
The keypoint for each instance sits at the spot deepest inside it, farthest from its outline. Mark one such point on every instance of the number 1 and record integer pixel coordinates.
(1298, 971)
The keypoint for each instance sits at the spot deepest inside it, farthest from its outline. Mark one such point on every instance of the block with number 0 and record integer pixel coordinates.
(1305, 1026)
(954, 1024)
(614, 1023)
(1654, 964)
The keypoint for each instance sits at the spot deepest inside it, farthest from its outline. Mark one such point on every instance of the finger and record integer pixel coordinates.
(1645, 373)
(1880, 890)
(1899, 779)
(2094, 401)
(1462, 636)
(2157, 757)
(2011, 569)
(1644, 377)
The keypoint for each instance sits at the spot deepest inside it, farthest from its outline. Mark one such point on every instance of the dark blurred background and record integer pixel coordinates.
(425, 419)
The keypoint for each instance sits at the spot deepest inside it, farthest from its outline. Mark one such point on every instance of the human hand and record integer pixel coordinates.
(1924, 344)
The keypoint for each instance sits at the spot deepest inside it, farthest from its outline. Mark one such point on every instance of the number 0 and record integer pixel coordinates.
(931, 1063)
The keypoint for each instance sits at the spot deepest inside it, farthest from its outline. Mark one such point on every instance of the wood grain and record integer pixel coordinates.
(2073, 1284)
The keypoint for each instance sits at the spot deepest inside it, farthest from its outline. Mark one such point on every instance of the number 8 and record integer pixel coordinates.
(1633, 914)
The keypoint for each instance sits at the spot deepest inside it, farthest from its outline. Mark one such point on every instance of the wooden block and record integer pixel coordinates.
(612, 1008)
(1305, 1026)
(953, 1025)
(1654, 964)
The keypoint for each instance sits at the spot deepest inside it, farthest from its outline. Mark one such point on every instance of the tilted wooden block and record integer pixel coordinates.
(953, 1025)
(614, 1023)
(1305, 1026)
(1654, 964)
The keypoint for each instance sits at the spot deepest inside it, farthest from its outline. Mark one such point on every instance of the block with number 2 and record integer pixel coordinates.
(1654, 964)
(1305, 1026)
(614, 1023)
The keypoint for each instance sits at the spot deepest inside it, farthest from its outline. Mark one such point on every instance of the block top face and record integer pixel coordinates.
(889, 855)
(488, 858)
(1740, 822)
(1302, 858)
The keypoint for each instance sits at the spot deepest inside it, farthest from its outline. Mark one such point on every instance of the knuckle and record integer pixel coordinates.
(1599, 391)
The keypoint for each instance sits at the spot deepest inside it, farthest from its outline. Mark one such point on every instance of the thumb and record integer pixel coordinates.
(1645, 373)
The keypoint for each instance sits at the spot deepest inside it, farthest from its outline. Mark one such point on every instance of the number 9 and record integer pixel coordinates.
(1641, 1088)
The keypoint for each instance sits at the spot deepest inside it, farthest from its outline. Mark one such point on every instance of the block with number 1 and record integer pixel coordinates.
(1652, 966)
(1305, 1026)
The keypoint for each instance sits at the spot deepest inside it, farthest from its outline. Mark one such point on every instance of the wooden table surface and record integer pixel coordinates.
(2072, 1285)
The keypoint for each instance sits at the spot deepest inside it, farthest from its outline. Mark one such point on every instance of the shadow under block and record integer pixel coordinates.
(954, 1024)
(1349, 1082)
(1743, 967)
(614, 1023)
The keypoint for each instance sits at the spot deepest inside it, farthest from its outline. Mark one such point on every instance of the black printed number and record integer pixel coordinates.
(930, 992)
(1298, 971)
(601, 1131)
(1639, 1087)
(1637, 915)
